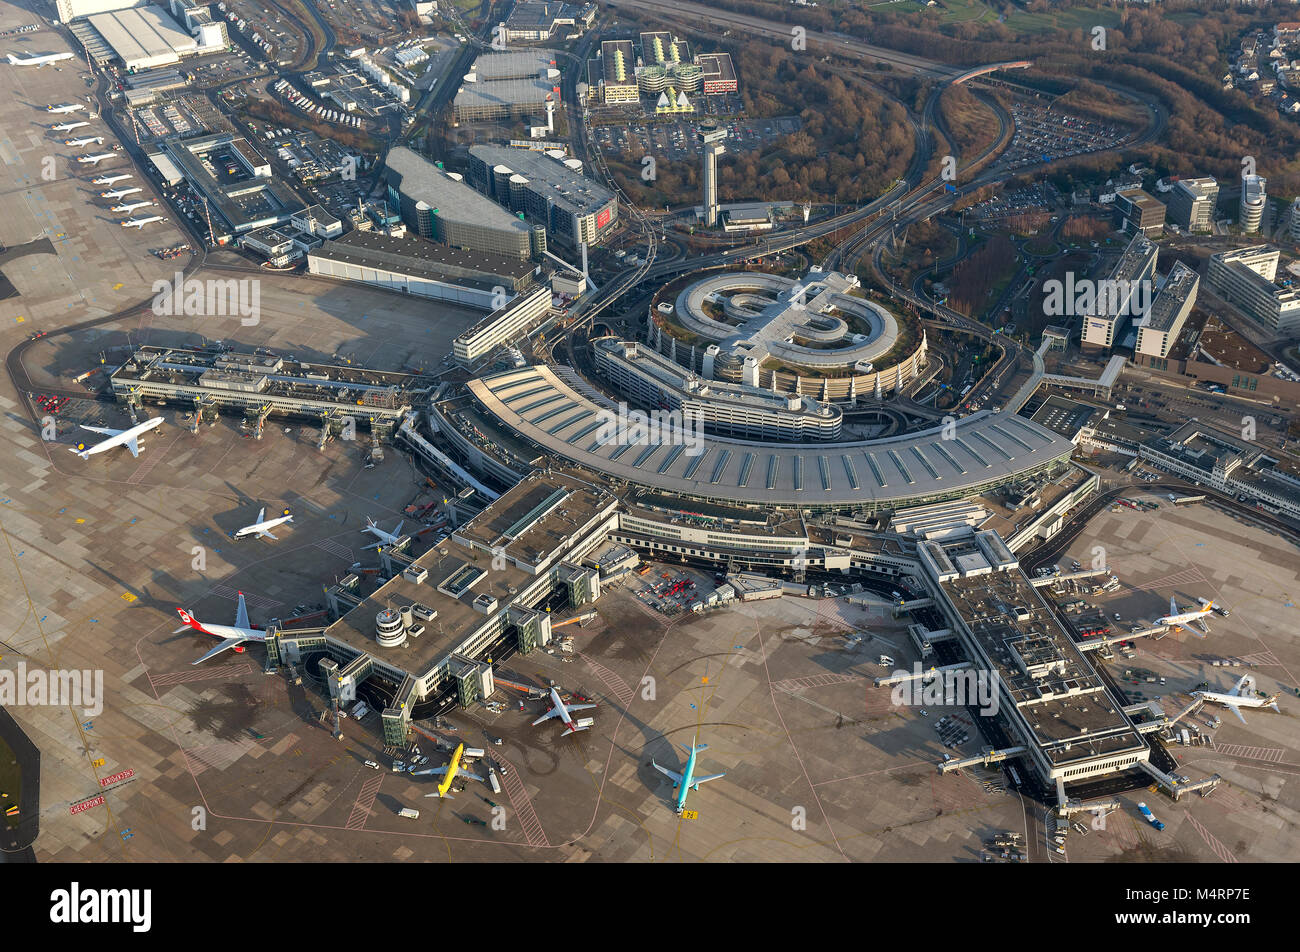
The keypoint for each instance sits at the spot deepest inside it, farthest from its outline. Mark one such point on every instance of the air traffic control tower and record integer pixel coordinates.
(711, 137)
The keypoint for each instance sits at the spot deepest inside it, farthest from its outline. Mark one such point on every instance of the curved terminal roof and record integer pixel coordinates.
(981, 449)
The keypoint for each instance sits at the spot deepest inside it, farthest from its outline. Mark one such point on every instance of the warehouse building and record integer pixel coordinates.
(423, 268)
(549, 190)
(438, 205)
(537, 21)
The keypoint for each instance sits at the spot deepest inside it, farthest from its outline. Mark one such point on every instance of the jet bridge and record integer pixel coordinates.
(899, 677)
(1092, 644)
(1067, 577)
(986, 759)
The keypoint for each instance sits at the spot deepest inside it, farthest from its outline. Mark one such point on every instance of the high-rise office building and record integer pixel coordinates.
(1192, 203)
(712, 138)
(1253, 198)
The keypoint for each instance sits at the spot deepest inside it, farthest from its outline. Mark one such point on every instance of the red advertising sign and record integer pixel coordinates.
(85, 805)
(105, 781)
(603, 216)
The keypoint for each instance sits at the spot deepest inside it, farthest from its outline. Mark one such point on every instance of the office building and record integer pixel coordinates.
(1139, 212)
(1192, 203)
(1245, 278)
(438, 205)
(1126, 293)
(536, 21)
(1164, 321)
(718, 75)
(1254, 197)
(549, 189)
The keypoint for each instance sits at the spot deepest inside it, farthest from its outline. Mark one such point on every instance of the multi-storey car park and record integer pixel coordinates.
(549, 189)
(440, 205)
(810, 335)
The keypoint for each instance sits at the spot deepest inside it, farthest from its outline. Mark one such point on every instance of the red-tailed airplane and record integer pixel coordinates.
(233, 636)
(560, 710)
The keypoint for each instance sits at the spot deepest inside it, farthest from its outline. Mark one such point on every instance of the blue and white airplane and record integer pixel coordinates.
(385, 538)
(686, 781)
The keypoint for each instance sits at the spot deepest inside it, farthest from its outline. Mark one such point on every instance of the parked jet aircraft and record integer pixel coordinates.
(45, 60)
(96, 158)
(66, 108)
(686, 780)
(1176, 619)
(130, 438)
(141, 222)
(120, 192)
(1243, 695)
(233, 636)
(110, 179)
(449, 773)
(127, 207)
(261, 528)
(562, 711)
(385, 538)
(78, 143)
(68, 126)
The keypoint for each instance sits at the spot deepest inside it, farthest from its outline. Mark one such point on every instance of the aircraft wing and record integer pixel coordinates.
(133, 446)
(579, 707)
(267, 534)
(671, 774)
(102, 429)
(1189, 629)
(469, 773)
(241, 614)
(553, 712)
(696, 781)
(228, 643)
(1236, 710)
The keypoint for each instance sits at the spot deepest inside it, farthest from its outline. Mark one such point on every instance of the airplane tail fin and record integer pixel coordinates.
(398, 531)
(83, 453)
(13, 59)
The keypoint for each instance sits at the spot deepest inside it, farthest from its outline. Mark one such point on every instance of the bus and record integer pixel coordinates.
(1015, 776)
(1187, 500)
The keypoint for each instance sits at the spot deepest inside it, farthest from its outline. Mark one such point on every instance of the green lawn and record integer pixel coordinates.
(1077, 18)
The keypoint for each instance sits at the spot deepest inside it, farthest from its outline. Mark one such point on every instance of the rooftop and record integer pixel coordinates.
(451, 199)
(422, 258)
(986, 448)
(1180, 283)
(562, 186)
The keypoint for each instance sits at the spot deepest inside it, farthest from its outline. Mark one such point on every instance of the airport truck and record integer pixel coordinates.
(492, 779)
(408, 812)
(1149, 816)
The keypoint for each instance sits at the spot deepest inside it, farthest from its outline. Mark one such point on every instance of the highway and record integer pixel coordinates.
(823, 42)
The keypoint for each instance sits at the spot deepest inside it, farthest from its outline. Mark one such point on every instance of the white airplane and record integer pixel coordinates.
(77, 143)
(141, 222)
(1243, 695)
(68, 126)
(1176, 619)
(110, 179)
(563, 712)
(64, 109)
(385, 538)
(233, 636)
(39, 60)
(97, 158)
(129, 438)
(261, 527)
(120, 192)
(127, 207)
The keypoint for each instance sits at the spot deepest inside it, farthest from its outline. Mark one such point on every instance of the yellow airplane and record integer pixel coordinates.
(449, 773)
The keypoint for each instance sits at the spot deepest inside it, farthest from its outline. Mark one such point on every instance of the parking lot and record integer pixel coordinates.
(1044, 134)
(677, 140)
